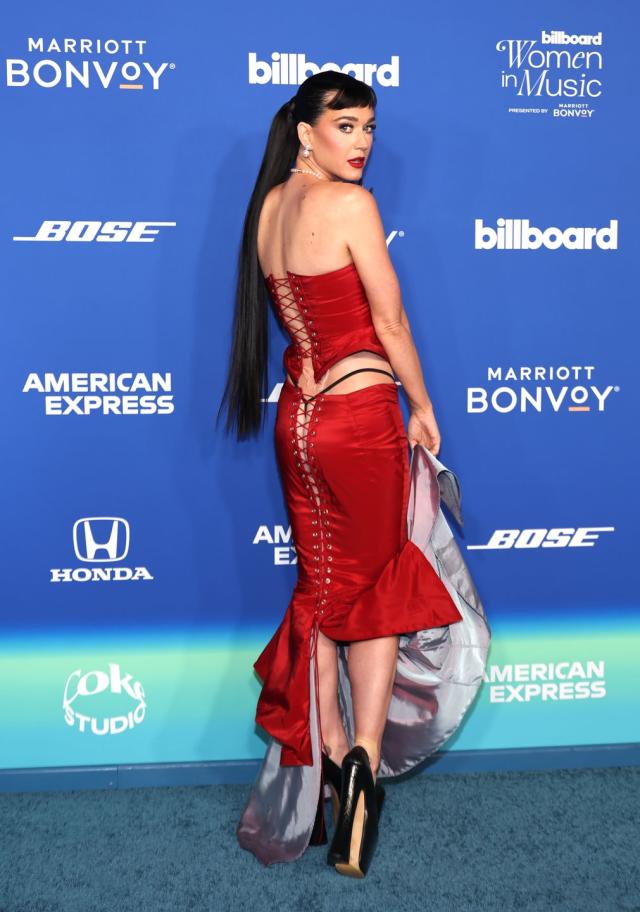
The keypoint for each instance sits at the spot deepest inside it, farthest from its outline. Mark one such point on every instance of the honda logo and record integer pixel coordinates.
(101, 539)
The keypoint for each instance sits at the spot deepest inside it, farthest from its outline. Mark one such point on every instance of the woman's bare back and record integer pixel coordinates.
(299, 231)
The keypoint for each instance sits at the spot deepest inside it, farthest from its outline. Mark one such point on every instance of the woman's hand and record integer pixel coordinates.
(423, 429)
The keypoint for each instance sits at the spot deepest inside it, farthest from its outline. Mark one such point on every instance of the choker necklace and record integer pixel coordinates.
(303, 171)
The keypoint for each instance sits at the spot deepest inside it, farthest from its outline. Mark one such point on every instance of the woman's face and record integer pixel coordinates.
(340, 143)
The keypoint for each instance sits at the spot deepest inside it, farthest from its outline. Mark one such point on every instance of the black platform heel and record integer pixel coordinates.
(379, 798)
(356, 833)
(331, 776)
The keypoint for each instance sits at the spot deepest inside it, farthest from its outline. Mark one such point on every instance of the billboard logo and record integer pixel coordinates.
(519, 234)
(100, 702)
(560, 37)
(293, 69)
(557, 75)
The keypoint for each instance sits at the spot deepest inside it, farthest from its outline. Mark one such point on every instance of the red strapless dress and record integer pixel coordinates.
(344, 461)
(326, 316)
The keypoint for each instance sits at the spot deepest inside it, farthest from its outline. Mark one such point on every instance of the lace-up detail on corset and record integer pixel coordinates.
(293, 312)
(326, 316)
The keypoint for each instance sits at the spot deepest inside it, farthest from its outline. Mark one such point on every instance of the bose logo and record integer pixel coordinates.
(87, 231)
(582, 537)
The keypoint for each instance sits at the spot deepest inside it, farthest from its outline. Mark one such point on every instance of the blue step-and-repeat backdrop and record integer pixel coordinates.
(147, 558)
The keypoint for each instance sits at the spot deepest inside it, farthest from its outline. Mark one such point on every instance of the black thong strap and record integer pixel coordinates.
(377, 370)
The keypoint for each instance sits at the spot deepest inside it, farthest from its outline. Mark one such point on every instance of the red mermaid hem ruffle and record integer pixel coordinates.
(407, 596)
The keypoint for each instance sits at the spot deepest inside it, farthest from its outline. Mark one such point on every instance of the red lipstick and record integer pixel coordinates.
(356, 162)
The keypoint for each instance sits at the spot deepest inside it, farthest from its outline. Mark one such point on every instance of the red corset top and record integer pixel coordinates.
(326, 316)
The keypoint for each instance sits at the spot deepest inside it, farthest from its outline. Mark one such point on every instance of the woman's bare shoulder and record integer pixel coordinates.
(339, 197)
(272, 196)
(330, 200)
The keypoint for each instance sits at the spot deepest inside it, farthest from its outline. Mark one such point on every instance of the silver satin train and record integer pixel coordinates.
(438, 675)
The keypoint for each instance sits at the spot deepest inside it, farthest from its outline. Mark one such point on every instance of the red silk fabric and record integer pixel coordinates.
(367, 579)
(327, 317)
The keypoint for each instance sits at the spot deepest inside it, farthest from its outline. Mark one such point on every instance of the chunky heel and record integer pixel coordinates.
(356, 833)
(331, 776)
(379, 798)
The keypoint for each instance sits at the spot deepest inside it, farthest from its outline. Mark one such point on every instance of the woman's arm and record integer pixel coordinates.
(364, 234)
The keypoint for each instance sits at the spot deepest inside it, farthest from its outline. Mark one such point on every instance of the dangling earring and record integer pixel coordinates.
(306, 151)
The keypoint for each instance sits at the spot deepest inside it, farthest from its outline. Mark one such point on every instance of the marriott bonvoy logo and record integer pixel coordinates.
(285, 68)
(68, 63)
(540, 388)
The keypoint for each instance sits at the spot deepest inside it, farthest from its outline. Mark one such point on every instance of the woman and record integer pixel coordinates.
(313, 240)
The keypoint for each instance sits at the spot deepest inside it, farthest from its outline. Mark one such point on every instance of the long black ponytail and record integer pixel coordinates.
(246, 385)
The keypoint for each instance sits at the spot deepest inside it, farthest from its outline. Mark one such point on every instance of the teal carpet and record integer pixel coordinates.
(562, 840)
